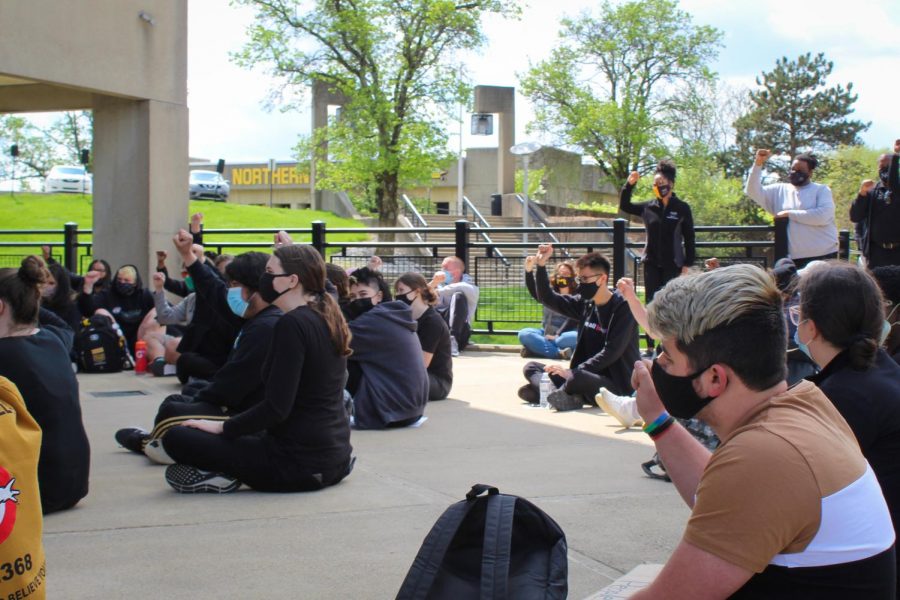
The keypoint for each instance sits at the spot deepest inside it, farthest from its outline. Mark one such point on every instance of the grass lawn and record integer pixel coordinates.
(51, 211)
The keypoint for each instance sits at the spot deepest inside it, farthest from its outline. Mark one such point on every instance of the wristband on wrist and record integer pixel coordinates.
(649, 428)
(662, 428)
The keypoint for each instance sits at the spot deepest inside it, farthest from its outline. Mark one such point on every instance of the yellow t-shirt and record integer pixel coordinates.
(22, 567)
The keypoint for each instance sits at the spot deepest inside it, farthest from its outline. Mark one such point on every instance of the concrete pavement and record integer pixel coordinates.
(133, 537)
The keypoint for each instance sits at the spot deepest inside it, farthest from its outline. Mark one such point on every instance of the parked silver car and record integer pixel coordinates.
(208, 184)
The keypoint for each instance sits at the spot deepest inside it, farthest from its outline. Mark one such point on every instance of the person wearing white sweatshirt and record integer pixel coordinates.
(812, 233)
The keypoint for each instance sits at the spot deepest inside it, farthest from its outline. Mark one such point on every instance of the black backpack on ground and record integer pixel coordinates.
(100, 348)
(491, 547)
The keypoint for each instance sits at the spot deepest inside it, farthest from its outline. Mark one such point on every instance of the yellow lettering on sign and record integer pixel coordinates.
(286, 175)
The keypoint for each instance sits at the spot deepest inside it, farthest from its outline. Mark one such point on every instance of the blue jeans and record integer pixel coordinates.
(533, 339)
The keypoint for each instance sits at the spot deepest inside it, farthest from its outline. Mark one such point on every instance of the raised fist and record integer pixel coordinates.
(866, 187)
(282, 238)
(545, 251)
(762, 155)
(375, 263)
(159, 279)
(633, 178)
(529, 263)
(625, 285)
(196, 222)
(183, 242)
(45, 252)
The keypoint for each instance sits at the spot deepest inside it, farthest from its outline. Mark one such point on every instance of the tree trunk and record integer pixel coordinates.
(386, 201)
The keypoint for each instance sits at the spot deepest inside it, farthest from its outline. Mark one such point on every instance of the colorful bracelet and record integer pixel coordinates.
(661, 429)
(651, 427)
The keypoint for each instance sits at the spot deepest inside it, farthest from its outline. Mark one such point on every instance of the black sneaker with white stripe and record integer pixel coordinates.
(191, 480)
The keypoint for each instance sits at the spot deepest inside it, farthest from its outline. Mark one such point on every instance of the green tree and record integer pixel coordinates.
(608, 88)
(795, 110)
(42, 148)
(843, 171)
(394, 62)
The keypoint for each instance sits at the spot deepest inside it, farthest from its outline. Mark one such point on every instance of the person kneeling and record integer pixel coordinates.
(387, 376)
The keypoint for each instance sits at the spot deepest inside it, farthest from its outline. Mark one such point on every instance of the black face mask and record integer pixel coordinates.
(359, 306)
(587, 290)
(267, 290)
(404, 298)
(798, 178)
(125, 289)
(883, 175)
(677, 392)
(664, 190)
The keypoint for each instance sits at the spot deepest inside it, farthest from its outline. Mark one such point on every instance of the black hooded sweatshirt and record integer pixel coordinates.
(394, 384)
(129, 310)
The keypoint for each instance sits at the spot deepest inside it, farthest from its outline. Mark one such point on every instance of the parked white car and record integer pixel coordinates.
(69, 178)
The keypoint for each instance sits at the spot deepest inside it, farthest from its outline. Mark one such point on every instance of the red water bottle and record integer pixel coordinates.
(140, 356)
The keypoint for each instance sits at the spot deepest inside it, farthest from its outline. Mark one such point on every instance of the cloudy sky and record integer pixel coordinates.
(228, 119)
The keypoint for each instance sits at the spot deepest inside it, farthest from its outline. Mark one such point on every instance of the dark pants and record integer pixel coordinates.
(882, 257)
(456, 314)
(248, 459)
(438, 389)
(585, 383)
(655, 277)
(177, 408)
(191, 364)
(802, 262)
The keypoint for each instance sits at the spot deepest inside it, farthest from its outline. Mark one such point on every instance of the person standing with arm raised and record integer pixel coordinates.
(808, 206)
(877, 210)
(669, 224)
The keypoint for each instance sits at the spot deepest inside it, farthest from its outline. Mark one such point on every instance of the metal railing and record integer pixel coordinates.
(504, 301)
(482, 223)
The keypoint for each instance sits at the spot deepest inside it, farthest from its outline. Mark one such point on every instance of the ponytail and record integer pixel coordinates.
(20, 289)
(327, 307)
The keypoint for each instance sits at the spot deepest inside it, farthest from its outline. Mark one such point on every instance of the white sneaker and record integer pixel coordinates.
(622, 408)
(154, 451)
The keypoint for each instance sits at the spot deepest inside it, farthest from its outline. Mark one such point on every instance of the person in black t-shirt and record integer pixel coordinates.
(298, 437)
(669, 225)
(433, 332)
(840, 322)
(607, 345)
(36, 358)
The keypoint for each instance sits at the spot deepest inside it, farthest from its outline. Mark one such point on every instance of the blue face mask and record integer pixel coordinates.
(885, 332)
(803, 347)
(236, 302)
(448, 277)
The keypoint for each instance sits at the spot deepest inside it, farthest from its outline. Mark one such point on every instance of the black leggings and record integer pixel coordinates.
(251, 459)
(655, 277)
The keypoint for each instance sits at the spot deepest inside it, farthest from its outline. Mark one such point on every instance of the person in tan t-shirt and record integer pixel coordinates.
(786, 507)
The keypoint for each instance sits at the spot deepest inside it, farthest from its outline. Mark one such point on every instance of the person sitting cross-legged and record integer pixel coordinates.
(607, 344)
(433, 333)
(239, 384)
(458, 300)
(298, 437)
(387, 377)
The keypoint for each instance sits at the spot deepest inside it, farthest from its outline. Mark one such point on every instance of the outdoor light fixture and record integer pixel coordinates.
(145, 16)
(482, 124)
(525, 150)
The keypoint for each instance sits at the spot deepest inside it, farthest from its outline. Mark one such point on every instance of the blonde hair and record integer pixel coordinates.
(731, 315)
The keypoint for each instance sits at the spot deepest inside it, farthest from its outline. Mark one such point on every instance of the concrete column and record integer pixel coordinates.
(141, 180)
(501, 100)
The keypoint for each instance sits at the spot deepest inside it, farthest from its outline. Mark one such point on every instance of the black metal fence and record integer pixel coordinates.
(504, 304)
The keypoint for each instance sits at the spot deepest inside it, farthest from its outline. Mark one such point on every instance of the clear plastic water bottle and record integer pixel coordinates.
(546, 388)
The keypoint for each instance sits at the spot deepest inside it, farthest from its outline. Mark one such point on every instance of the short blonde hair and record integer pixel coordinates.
(731, 315)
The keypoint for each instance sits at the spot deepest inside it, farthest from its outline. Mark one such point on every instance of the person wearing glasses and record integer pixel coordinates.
(840, 323)
(607, 344)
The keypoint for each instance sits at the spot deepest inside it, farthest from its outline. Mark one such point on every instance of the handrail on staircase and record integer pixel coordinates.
(481, 222)
(419, 221)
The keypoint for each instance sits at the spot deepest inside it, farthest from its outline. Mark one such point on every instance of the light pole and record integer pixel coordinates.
(525, 150)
